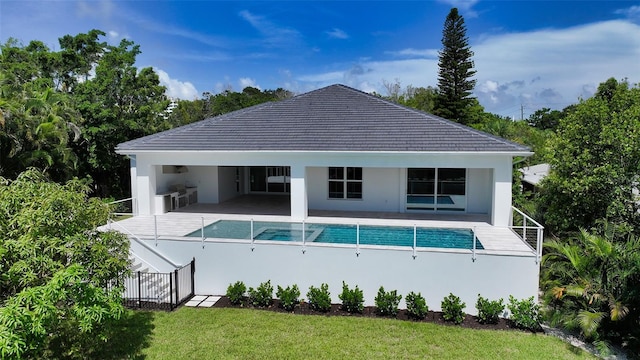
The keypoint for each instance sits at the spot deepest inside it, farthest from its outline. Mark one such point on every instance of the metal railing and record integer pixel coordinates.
(164, 291)
(304, 234)
(528, 230)
(123, 207)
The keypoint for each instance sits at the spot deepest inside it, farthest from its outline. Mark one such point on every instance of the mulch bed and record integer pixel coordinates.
(435, 317)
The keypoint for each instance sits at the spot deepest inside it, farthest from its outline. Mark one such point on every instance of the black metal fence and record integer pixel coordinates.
(164, 291)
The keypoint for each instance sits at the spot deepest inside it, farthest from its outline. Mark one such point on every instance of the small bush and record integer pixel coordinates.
(319, 298)
(387, 302)
(416, 306)
(235, 292)
(525, 313)
(288, 297)
(452, 309)
(489, 311)
(262, 295)
(352, 300)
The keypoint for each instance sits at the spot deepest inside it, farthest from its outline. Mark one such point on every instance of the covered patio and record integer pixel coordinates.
(253, 204)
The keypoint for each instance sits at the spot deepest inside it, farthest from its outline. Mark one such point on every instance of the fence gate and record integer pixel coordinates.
(166, 291)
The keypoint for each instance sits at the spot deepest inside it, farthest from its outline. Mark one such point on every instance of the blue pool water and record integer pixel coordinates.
(341, 234)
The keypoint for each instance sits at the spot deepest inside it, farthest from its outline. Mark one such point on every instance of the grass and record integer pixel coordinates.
(243, 333)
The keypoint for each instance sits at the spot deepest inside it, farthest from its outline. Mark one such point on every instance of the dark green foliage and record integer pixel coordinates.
(228, 101)
(236, 292)
(262, 295)
(54, 267)
(288, 297)
(590, 284)
(455, 71)
(489, 311)
(352, 300)
(319, 298)
(387, 302)
(54, 121)
(416, 305)
(453, 309)
(524, 313)
(596, 161)
(36, 129)
(65, 111)
(119, 104)
(547, 119)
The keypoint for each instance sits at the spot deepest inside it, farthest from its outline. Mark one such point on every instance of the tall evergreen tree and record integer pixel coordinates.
(455, 71)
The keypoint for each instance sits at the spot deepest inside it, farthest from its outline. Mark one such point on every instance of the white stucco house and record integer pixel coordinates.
(335, 150)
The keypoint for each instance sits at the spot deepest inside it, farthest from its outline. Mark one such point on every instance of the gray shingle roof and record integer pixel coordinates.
(334, 118)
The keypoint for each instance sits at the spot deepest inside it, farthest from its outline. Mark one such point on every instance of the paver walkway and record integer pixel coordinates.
(203, 301)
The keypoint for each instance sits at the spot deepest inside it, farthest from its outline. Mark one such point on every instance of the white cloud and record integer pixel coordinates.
(553, 67)
(176, 88)
(113, 34)
(102, 9)
(273, 34)
(368, 75)
(152, 25)
(244, 82)
(411, 52)
(632, 12)
(337, 34)
(543, 68)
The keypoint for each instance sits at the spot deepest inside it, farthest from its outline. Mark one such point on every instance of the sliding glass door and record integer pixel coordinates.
(270, 179)
(434, 189)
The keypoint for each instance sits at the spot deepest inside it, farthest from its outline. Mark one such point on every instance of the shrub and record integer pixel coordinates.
(288, 297)
(319, 298)
(525, 313)
(387, 302)
(489, 311)
(235, 292)
(352, 300)
(262, 295)
(416, 305)
(452, 309)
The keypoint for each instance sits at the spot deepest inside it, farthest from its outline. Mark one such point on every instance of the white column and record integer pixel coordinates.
(299, 210)
(501, 210)
(145, 187)
(134, 183)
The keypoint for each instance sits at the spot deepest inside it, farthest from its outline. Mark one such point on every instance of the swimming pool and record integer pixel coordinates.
(341, 234)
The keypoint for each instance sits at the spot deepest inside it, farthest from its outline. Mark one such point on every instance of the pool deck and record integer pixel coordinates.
(175, 225)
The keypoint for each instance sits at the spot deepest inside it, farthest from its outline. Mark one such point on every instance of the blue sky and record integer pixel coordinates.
(530, 53)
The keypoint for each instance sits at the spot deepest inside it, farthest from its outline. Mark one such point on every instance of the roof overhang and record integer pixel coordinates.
(186, 152)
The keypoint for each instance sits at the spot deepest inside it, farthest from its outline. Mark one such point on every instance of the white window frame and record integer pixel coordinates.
(345, 182)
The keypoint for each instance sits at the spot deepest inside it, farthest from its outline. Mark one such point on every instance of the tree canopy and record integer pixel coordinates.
(455, 71)
(596, 161)
(65, 111)
(55, 266)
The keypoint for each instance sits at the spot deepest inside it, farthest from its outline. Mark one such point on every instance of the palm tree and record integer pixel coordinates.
(35, 128)
(590, 281)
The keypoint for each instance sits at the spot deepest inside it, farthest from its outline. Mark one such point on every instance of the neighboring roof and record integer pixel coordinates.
(534, 174)
(334, 118)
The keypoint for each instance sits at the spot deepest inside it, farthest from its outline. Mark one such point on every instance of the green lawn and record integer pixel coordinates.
(189, 333)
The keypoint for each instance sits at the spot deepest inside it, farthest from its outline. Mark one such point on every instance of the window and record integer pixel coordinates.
(436, 189)
(345, 183)
(451, 181)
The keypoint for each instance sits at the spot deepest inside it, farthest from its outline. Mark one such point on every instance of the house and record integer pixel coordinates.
(335, 150)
